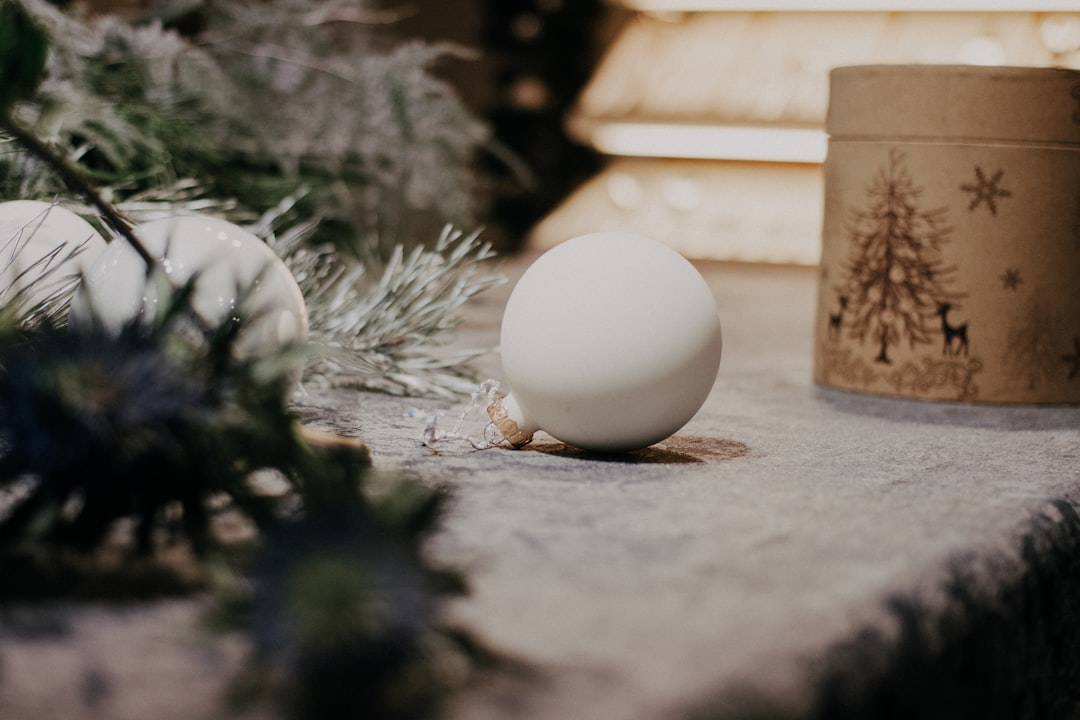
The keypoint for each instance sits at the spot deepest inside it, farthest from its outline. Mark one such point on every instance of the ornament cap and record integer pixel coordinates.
(507, 425)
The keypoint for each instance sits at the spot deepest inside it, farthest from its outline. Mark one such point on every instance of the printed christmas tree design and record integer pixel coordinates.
(895, 274)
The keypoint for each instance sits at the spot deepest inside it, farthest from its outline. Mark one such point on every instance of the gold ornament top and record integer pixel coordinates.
(506, 425)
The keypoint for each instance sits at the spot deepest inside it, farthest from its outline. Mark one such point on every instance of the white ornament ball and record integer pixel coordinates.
(38, 238)
(610, 342)
(239, 276)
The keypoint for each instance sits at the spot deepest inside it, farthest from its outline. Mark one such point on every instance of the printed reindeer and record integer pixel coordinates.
(955, 336)
(837, 319)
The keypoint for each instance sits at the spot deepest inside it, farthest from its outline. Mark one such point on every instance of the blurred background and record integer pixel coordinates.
(698, 122)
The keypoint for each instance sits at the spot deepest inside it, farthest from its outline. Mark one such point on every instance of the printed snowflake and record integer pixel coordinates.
(1010, 279)
(985, 190)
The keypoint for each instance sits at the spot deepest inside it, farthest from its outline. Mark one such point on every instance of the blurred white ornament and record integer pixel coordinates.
(239, 277)
(610, 342)
(43, 248)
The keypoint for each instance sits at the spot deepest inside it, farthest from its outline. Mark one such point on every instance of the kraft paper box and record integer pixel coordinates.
(950, 262)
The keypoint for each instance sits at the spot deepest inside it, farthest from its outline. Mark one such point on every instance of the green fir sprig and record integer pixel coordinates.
(137, 121)
(269, 96)
(345, 608)
(117, 447)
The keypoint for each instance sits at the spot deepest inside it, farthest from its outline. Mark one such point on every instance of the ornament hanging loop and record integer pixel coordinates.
(509, 429)
(491, 436)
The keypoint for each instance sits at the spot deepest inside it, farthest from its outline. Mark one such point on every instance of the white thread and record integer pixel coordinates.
(489, 437)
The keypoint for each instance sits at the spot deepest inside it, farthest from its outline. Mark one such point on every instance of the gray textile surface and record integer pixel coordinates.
(784, 533)
(792, 552)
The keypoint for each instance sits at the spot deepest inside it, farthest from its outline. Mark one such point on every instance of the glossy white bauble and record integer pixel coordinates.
(239, 276)
(610, 342)
(42, 246)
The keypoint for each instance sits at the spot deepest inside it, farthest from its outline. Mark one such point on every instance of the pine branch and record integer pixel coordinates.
(74, 179)
(381, 334)
(161, 123)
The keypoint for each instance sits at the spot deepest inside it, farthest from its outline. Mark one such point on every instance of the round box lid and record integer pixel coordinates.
(955, 103)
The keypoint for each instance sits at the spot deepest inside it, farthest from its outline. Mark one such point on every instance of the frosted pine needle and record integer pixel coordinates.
(390, 335)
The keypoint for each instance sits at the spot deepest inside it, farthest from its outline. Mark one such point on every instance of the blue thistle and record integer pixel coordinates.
(95, 428)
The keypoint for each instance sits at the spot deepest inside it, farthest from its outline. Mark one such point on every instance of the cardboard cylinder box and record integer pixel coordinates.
(950, 264)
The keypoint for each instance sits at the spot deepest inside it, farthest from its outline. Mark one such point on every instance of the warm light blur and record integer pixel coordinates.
(852, 5)
(704, 142)
(712, 112)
